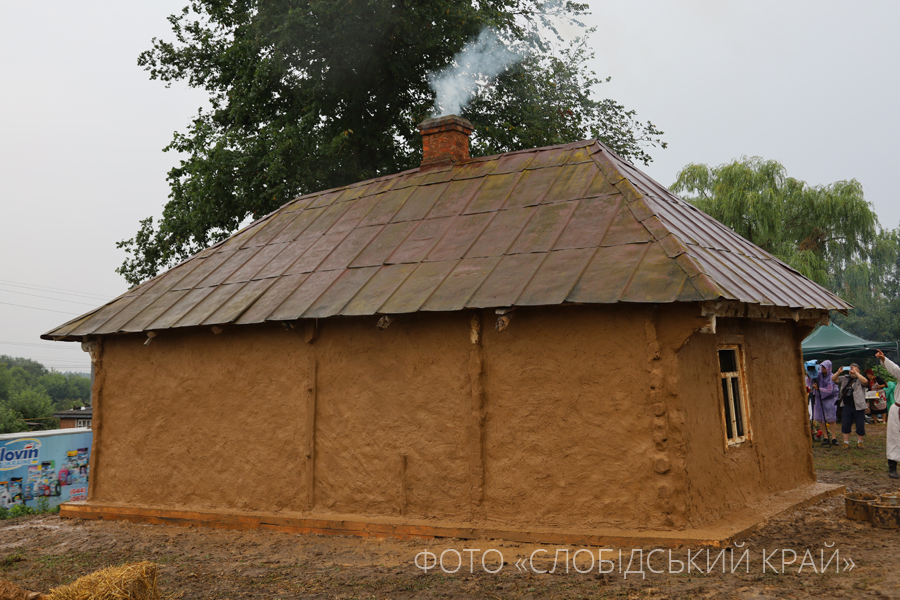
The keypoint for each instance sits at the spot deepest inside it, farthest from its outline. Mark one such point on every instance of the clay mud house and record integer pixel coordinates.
(542, 345)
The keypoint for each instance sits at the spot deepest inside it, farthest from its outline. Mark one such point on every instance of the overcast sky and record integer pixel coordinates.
(811, 84)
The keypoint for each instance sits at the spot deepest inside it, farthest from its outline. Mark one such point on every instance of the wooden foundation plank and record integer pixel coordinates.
(716, 535)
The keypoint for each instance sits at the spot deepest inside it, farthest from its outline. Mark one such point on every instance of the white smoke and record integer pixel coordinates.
(475, 65)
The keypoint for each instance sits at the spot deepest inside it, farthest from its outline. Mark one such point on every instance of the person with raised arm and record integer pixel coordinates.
(852, 398)
(893, 422)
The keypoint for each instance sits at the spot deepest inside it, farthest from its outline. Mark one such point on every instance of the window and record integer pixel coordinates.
(734, 395)
(82, 423)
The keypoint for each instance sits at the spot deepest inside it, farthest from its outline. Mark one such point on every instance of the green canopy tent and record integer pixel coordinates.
(830, 342)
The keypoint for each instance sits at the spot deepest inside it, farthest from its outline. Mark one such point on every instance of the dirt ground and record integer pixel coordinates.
(41, 552)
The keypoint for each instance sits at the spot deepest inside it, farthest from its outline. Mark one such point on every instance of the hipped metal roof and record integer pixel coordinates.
(564, 224)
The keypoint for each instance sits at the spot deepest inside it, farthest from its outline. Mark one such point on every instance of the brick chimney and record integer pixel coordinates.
(445, 139)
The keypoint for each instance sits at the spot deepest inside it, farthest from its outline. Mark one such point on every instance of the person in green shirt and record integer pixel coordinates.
(889, 392)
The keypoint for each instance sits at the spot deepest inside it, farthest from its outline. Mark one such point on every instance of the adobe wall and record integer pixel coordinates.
(573, 417)
(778, 456)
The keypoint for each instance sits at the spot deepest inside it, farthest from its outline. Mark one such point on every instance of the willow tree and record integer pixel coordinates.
(308, 95)
(830, 233)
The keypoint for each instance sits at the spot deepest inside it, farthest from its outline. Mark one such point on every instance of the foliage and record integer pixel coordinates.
(829, 233)
(19, 510)
(880, 371)
(42, 504)
(42, 507)
(11, 421)
(545, 100)
(31, 393)
(305, 96)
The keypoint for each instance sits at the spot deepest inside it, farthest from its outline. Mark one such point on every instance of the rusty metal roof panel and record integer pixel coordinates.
(455, 198)
(228, 268)
(259, 261)
(492, 194)
(420, 202)
(418, 287)
(340, 293)
(507, 281)
(501, 232)
(142, 320)
(239, 302)
(369, 299)
(607, 274)
(283, 260)
(556, 277)
(530, 189)
(386, 207)
(569, 223)
(139, 304)
(459, 236)
(270, 229)
(418, 244)
(270, 299)
(301, 298)
(104, 314)
(461, 284)
(514, 162)
(206, 307)
(350, 247)
(185, 304)
(317, 253)
(207, 265)
(544, 228)
(624, 229)
(383, 245)
(589, 223)
(656, 278)
(298, 225)
(572, 182)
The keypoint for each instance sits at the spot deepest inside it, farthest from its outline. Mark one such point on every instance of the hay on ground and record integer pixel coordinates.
(10, 591)
(135, 581)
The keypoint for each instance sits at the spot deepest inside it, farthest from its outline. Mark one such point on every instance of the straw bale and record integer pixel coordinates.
(135, 581)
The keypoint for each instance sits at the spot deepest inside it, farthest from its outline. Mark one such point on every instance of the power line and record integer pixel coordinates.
(47, 297)
(44, 309)
(46, 346)
(53, 290)
(48, 359)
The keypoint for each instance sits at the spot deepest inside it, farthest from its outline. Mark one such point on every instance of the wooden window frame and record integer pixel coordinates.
(83, 423)
(741, 376)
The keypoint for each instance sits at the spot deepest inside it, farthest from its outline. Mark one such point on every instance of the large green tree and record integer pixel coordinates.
(830, 233)
(309, 95)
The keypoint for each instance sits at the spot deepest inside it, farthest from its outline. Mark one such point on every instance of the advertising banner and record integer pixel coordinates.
(44, 464)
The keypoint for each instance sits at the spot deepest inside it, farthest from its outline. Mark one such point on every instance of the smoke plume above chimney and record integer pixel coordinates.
(475, 65)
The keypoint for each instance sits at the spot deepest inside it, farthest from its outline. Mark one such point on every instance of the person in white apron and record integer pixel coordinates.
(893, 422)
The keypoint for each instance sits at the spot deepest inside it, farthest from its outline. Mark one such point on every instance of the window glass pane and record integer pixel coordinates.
(738, 414)
(727, 408)
(727, 361)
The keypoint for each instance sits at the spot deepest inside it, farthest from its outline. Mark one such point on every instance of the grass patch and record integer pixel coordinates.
(11, 559)
(869, 458)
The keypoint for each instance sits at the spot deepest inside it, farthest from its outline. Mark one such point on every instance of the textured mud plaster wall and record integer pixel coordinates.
(776, 457)
(573, 418)
(391, 421)
(197, 420)
(526, 427)
(581, 429)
